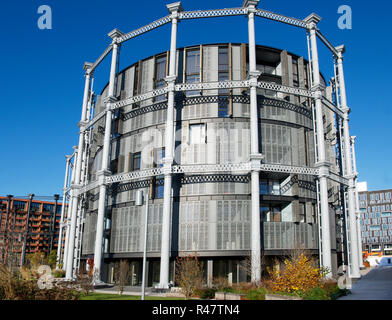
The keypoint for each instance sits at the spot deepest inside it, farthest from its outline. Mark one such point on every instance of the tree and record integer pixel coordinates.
(189, 274)
(84, 281)
(52, 259)
(122, 274)
(246, 264)
(34, 260)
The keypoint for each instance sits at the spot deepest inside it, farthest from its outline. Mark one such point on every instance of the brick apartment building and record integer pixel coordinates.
(43, 227)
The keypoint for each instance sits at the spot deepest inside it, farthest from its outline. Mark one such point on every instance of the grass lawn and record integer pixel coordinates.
(109, 296)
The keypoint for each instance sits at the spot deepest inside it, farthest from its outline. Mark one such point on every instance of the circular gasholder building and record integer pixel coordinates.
(238, 148)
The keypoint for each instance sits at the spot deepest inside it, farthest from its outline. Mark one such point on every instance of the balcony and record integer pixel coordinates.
(290, 235)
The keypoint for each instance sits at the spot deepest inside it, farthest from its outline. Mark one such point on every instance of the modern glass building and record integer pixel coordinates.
(239, 148)
(376, 221)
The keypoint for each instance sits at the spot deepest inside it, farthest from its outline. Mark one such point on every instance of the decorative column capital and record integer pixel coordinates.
(351, 180)
(255, 161)
(323, 167)
(341, 50)
(87, 66)
(170, 81)
(109, 100)
(250, 5)
(101, 175)
(317, 90)
(82, 125)
(174, 8)
(253, 76)
(312, 20)
(115, 34)
(346, 111)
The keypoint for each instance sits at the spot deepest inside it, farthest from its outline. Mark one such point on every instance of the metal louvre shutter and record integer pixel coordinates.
(89, 234)
(287, 235)
(147, 73)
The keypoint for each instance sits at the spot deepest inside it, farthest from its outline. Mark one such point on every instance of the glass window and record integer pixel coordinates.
(114, 166)
(302, 215)
(19, 205)
(160, 75)
(265, 214)
(223, 75)
(48, 207)
(197, 133)
(275, 187)
(136, 161)
(192, 74)
(271, 187)
(314, 216)
(35, 206)
(223, 106)
(264, 187)
(136, 85)
(158, 189)
(270, 214)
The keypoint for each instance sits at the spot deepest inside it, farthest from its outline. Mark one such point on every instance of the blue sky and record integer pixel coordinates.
(42, 81)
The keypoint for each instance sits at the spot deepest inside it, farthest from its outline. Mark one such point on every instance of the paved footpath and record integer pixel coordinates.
(375, 285)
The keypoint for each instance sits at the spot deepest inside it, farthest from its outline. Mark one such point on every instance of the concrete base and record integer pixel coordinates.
(160, 290)
(229, 296)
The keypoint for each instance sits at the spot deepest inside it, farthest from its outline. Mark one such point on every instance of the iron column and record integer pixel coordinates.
(59, 246)
(326, 259)
(173, 8)
(349, 169)
(105, 159)
(74, 188)
(255, 156)
(358, 212)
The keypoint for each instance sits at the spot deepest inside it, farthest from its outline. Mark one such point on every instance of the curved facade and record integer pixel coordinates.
(242, 151)
(211, 211)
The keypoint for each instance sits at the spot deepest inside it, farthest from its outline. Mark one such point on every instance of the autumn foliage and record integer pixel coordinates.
(297, 275)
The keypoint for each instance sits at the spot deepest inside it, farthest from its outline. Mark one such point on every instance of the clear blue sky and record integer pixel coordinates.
(42, 81)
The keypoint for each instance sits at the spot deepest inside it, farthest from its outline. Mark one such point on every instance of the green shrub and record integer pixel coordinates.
(58, 273)
(315, 294)
(256, 294)
(206, 293)
(22, 285)
(337, 293)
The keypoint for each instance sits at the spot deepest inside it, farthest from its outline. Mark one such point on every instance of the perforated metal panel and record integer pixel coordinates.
(89, 232)
(288, 235)
(228, 228)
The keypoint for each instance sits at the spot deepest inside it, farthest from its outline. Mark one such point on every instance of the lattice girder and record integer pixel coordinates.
(153, 25)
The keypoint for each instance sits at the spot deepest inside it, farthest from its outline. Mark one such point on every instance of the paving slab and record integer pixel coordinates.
(374, 285)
